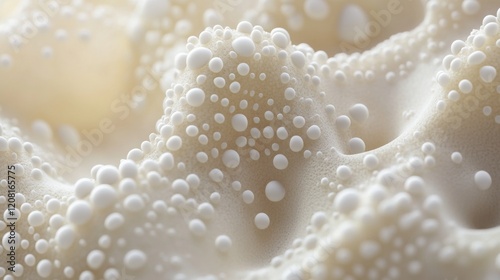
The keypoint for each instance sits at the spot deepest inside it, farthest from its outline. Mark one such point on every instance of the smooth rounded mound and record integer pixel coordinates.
(456, 157)
(262, 221)
(36, 218)
(107, 174)
(488, 73)
(180, 186)
(239, 122)
(133, 203)
(114, 221)
(371, 161)
(95, 259)
(83, 187)
(414, 185)
(197, 227)
(359, 112)
(103, 196)
(195, 97)
(44, 268)
(280, 162)
(174, 143)
(65, 236)
(482, 179)
(296, 143)
(135, 259)
(231, 159)
(244, 46)
(275, 191)
(356, 145)
(216, 64)
(344, 172)
(223, 243)
(314, 132)
(347, 200)
(319, 219)
(79, 212)
(248, 196)
(317, 9)
(198, 58)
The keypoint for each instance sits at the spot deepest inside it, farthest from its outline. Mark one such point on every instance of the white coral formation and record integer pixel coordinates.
(270, 160)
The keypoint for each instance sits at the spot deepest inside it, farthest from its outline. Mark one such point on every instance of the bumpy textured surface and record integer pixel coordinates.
(307, 140)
